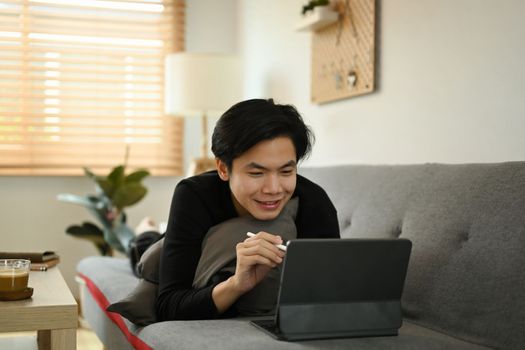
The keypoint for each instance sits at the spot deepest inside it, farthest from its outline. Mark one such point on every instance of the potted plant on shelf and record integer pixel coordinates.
(313, 4)
(317, 14)
(114, 192)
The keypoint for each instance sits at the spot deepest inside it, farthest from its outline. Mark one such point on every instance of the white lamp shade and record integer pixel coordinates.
(197, 83)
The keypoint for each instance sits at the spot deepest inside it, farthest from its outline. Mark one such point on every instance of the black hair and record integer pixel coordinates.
(249, 122)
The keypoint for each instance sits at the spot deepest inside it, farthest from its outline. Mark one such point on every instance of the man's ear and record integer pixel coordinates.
(222, 169)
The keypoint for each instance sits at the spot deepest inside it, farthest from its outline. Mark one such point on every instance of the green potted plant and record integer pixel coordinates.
(316, 15)
(114, 192)
(313, 4)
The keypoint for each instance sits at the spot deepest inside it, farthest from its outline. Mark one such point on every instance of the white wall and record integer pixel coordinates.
(450, 80)
(211, 26)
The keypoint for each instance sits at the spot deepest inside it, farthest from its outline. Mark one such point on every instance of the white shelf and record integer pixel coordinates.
(318, 18)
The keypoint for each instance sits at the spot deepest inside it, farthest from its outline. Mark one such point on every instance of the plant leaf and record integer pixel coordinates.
(128, 194)
(80, 200)
(89, 173)
(99, 209)
(100, 202)
(117, 175)
(113, 240)
(119, 236)
(124, 234)
(87, 231)
(137, 176)
(95, 179)
(106, 185)
(92, 233)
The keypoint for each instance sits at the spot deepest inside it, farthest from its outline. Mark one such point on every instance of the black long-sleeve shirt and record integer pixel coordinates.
(201, 202)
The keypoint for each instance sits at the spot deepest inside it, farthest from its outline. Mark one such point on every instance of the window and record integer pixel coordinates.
(82, 80)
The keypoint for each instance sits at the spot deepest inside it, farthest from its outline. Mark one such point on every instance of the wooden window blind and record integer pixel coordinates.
(82, 80)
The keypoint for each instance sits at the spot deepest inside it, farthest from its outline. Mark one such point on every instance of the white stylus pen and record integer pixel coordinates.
(280, 246)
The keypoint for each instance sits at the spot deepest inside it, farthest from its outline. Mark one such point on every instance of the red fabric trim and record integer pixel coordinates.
(101, 300)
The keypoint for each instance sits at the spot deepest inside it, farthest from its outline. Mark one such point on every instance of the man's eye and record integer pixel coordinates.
(287, 171)
(255, 173)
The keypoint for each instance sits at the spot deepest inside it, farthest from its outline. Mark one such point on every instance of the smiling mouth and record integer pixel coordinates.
(269, 204)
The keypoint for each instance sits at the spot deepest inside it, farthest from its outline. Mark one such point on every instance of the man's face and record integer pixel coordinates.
(262, 180)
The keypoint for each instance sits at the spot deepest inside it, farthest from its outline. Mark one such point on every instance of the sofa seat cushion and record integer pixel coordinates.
(111, 279)
(239, 334)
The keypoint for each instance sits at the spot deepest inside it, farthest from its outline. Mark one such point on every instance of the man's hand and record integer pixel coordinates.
(256, 256)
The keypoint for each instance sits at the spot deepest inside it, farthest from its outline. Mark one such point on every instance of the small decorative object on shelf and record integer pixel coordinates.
(317, 14)
(114, 192)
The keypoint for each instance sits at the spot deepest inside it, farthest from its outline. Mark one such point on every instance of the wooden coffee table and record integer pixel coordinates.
(52, 311)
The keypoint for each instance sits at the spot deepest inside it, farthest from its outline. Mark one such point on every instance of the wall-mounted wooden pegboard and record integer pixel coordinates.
(343, 53)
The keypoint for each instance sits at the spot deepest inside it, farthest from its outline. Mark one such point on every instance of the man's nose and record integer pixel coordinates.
(272, 184)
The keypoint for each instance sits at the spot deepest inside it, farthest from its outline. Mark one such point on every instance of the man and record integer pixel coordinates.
(257, 145)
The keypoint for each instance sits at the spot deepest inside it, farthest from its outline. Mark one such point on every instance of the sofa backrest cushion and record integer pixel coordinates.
(466, 275)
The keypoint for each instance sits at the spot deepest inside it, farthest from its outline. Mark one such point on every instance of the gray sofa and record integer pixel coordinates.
(465, 287)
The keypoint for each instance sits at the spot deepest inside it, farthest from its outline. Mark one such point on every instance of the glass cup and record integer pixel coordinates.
(14, 274)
